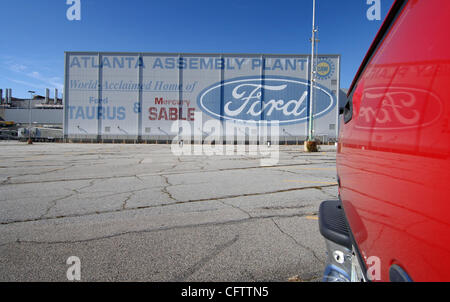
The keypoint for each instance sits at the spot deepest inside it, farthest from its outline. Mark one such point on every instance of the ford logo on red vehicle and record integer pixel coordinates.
(270, 99)
(396, 108)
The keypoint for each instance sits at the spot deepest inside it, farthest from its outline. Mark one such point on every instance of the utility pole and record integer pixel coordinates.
(313, 74)
(29, 117)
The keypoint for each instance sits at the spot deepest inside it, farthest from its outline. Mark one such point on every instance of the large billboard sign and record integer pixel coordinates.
(244, 102)
(141, 95)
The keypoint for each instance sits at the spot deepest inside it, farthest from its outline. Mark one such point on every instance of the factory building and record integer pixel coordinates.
(44, 110)
(157, 96)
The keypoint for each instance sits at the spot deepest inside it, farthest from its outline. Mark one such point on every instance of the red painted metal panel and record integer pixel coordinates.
(393, 156)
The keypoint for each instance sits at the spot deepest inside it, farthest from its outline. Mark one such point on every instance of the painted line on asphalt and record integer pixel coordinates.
(312, 217)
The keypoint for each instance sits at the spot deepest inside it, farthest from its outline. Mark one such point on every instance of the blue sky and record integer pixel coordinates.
(35, 33)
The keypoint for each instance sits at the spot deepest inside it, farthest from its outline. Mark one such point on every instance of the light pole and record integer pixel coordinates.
(29, 116)
(311, 93)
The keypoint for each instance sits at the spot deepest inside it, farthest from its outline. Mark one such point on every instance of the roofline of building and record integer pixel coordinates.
(194, 54)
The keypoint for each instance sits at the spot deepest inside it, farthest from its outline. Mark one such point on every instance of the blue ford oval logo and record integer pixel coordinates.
(270, 99)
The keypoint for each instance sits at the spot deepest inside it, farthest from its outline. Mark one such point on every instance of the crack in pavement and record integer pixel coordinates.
(91, 184)
(165, 189)
(161, 173)
(287, 207)
(68, 180)
(286, 171)
(6, 182)
(326, 193)
(119, 193)
(53, 204)
(138, 178)
(76, 192)
(124, 204)
(202, 262)
(161, 229)
(298, 243)
(236, 207)
(164, 205)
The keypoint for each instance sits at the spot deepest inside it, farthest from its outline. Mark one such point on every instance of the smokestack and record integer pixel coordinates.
(56, 96)
(47, 95)
(60, 101)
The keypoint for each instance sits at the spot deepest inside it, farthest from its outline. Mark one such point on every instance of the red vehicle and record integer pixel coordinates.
(392, 219)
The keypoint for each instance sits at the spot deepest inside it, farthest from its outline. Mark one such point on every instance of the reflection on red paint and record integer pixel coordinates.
(394, 155)
(391, 108)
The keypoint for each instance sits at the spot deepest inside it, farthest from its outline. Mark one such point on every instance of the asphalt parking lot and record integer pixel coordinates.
(140, 213)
